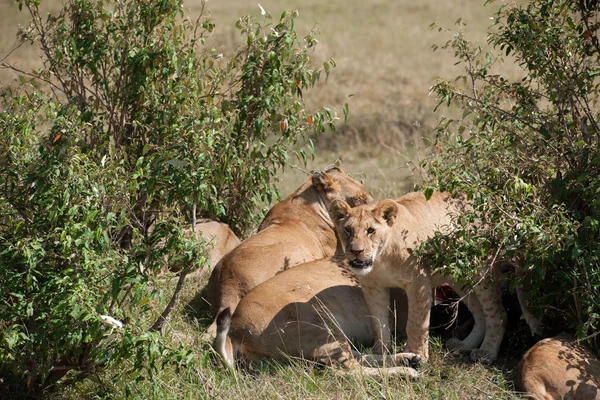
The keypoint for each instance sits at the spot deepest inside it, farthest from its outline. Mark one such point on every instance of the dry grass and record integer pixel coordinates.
(384, 59)
(381, 47)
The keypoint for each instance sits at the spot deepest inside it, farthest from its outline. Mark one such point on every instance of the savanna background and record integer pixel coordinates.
(384, 69)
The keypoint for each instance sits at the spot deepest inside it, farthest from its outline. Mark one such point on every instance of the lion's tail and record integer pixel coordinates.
(222, 344)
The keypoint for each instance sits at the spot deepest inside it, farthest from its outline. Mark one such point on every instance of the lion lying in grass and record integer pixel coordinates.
(312, 311)
(560, 368)
(219, 238)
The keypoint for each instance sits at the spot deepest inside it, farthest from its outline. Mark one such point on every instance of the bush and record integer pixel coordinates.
(527, 154)
(132, 127)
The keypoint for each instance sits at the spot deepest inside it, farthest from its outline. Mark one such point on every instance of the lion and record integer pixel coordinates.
(219, 239)
(294, 231)
(559, 368)
(378, 240)
(314, 311)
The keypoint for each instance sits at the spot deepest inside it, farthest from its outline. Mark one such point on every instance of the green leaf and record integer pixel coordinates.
(428, 192)
(177, 163)
(327, 68)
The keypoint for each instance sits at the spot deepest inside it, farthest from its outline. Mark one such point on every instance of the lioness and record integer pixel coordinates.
(309, 311)
(560, 368)
(219, 238)
(378, 238)
(296, 230)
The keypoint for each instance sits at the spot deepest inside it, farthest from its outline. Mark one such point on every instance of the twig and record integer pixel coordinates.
(485, 272)
(20, 71)
(12, 51)
(159, 324)
(577, 309)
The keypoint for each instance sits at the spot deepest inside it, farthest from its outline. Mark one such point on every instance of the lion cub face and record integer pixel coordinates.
(363, 231)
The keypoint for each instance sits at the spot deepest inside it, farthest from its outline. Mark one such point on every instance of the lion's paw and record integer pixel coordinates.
(409, 360)
(482, 356)
(454, 344)
(416, 361)
(412, 373)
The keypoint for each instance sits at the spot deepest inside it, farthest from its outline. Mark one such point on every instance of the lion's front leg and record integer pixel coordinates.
(378, 300)
(419, 309)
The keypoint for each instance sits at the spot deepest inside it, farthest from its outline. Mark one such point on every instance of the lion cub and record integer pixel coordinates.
(560, 368)
(378, 239)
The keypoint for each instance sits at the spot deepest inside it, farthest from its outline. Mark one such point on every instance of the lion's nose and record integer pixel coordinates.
(356, 252)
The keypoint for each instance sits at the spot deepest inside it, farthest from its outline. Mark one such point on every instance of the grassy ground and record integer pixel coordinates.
(384, 59)
(445, 376)
(383, 56)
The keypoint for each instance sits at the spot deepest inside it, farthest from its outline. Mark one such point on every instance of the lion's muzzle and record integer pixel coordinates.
(361, 264)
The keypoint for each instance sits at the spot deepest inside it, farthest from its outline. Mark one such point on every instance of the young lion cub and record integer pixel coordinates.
(377, 239)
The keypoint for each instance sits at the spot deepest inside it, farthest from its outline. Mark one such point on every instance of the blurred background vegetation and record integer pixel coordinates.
(384, 69)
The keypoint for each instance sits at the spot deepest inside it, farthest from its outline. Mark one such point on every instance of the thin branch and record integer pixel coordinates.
(513, 117)
(159, 324)
(11, 67)
(12, 51)
(41, 30)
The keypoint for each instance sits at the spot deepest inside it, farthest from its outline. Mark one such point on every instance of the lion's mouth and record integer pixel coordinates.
(361, 264)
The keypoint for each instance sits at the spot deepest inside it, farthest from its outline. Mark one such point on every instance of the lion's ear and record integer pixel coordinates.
(388, 210)
(322, 182)
(335, 169)
(338, 210)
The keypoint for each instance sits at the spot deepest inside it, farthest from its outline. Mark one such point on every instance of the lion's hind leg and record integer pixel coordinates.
(490, 298)
(469, 298)
(369, 371)
(401, 364)
(339, 354)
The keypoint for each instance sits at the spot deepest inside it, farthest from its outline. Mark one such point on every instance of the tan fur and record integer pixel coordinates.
(560, 368)
(310, 311)
(295, 231)
(219, 238)
(378, 240)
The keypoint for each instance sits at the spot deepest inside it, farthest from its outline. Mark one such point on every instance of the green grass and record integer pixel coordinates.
(445, 376)
(297, 380)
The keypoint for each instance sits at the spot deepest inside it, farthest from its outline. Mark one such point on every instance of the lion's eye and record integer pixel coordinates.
(348, 231)
(358, 201)
(370, 231)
